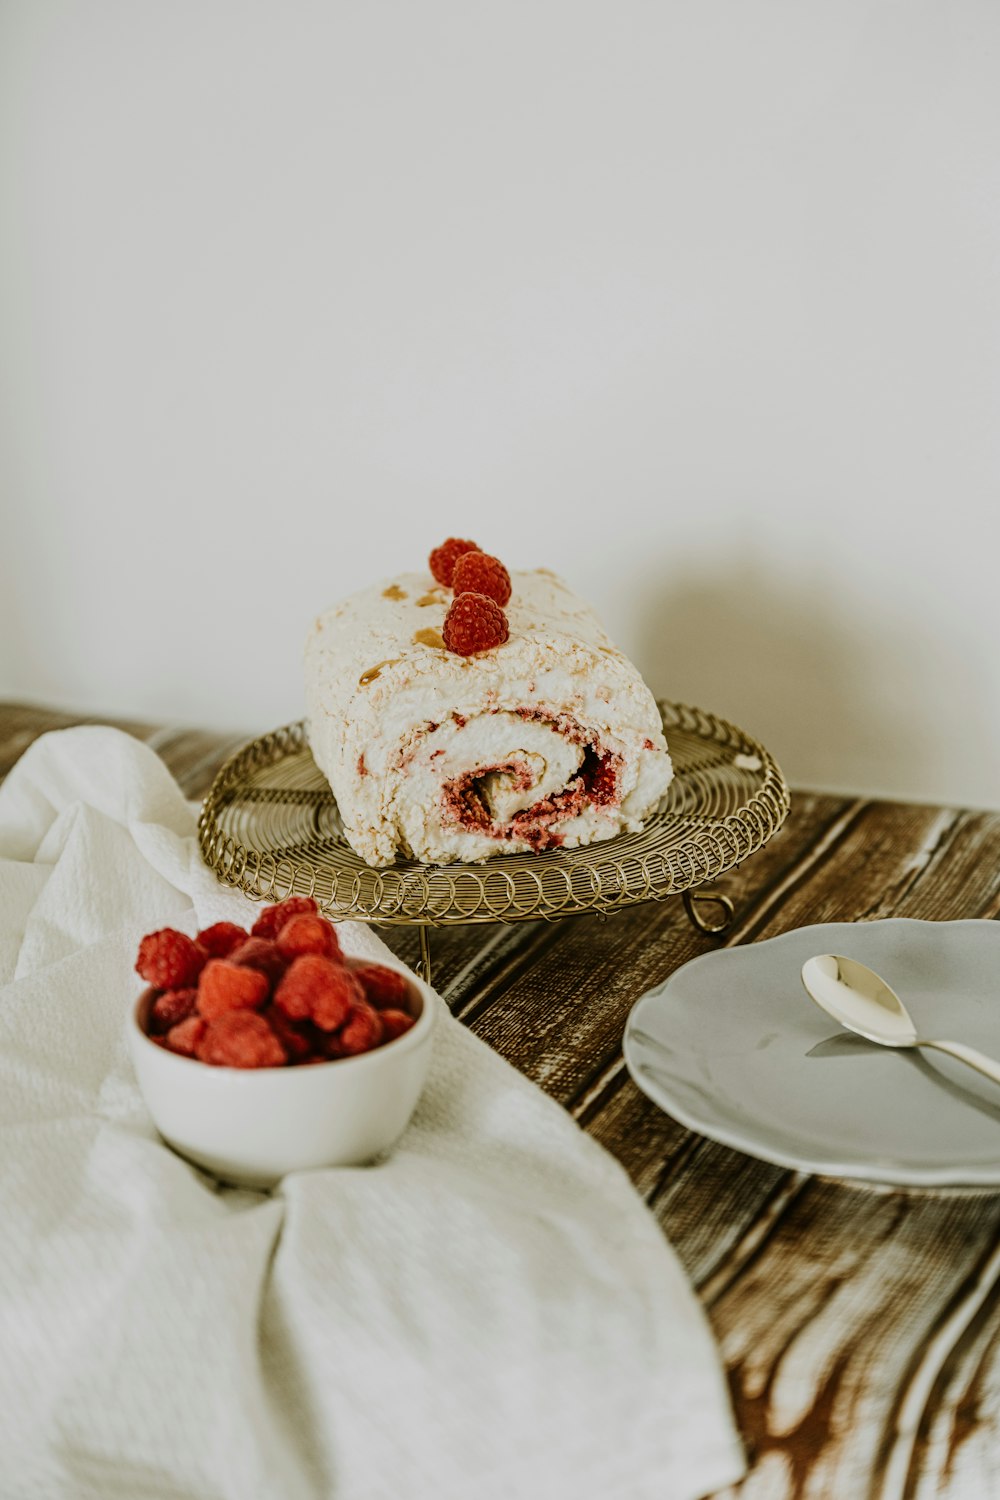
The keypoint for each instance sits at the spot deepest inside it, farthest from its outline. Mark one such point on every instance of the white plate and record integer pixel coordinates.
(731, 1046)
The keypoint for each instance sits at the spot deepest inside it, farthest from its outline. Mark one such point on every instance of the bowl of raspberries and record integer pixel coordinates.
(269, 1051)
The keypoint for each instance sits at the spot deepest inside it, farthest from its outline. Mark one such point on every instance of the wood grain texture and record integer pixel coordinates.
(860, 1327)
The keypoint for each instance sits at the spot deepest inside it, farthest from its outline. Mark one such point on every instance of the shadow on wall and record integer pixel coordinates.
(842, 701)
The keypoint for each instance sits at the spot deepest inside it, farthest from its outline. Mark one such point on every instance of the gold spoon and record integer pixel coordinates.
(861, 1000)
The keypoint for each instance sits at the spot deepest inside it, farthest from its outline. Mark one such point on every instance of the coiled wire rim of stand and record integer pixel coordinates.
(270, 827)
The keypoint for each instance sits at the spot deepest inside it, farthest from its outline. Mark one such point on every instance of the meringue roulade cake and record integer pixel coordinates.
(547, 740)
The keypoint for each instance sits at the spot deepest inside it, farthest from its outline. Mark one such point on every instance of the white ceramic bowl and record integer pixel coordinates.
(252, 1125)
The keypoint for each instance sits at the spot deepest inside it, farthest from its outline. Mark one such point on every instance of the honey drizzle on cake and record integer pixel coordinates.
(373, 672)
(429, 637)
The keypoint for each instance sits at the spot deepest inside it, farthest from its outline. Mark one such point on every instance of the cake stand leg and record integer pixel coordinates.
(424, 967)
(694, 900)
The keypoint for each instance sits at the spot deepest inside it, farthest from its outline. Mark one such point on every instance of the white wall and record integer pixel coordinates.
(698, 304)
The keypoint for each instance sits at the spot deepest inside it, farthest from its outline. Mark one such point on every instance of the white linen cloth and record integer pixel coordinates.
(491, 1312)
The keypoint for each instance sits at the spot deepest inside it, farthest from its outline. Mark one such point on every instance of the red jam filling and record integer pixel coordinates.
(594, 785)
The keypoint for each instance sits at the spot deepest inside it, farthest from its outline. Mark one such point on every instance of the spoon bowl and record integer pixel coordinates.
(859, 999)
(864, 1003)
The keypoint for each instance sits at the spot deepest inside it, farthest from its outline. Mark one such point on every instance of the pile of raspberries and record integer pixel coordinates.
(282, 994)
(475, 620)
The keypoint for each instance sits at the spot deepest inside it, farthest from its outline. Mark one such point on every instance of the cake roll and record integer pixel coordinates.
(550, 740)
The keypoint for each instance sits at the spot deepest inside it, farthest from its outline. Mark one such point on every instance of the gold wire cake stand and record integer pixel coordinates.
(270, 827)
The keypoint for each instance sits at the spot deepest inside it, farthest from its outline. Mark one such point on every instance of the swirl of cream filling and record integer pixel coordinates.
(524, 779)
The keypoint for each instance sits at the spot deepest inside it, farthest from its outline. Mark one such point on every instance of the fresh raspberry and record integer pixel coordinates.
(170, 1008)
(170, 960)
(479, 573)
(240, 1039)
(186, 1036)
(443, 559)
(225, 986)
(221, 938)
(474, 623)
(394, 1023)
(308, 934)
(382, 986)
(262, 954)
(273, 918)
(362, 1032)
(299, 1038)
(319, 990)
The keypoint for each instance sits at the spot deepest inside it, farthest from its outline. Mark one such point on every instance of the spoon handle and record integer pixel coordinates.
(977, 1060)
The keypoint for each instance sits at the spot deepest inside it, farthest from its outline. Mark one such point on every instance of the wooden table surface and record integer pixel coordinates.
(860, 1326)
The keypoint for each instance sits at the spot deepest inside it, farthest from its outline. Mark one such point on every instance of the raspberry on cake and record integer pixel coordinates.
(443, 559)
(474, 623)
(452, 729)
(478, 573)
